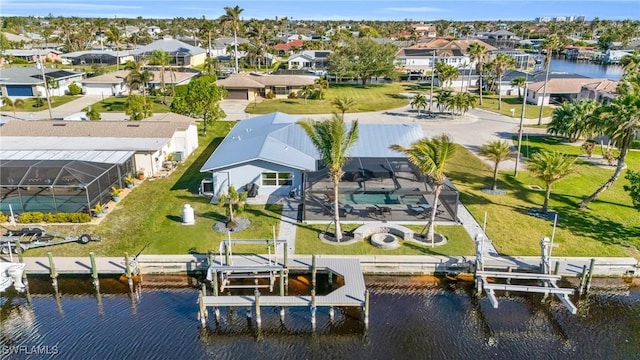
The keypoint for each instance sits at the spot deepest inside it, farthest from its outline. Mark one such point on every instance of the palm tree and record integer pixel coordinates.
(306, 91)
(13, 104)
(519, 83)
(232, 19)
(145, 78)
(551, 43)
(550, 167)
(419, 101)
(344, 104)
(161, 58)
(620, 120)
(236, 202)
(631, 62)
(333, 141)
(430, 156)
(478, 54)
(496, 151)
(573, 119)
(500, 64)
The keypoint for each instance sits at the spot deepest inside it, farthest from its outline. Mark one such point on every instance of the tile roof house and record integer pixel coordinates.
(421, 55)
(247, 86)
(601, 91)
(34, 55)
(285, 49)
(559, 88)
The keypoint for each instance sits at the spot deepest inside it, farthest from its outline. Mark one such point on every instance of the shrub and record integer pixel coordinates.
(270, 95)
(38, 217)
(635, 144)
(3, 218)
(588, 147)
(610, 156)
(293, 95)
(317, 95)
(50, 218)
(74, 89)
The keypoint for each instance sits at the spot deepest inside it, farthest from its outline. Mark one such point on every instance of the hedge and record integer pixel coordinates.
(38, 217)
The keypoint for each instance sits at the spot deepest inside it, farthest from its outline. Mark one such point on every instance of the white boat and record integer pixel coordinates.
(11, 274)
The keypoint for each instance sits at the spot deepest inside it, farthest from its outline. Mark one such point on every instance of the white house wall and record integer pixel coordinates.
(105, 89)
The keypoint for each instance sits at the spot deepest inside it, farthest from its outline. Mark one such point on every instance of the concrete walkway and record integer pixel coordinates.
(288, 225)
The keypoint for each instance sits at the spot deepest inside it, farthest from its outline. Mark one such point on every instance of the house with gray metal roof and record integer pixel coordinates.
(99, 57)
(27, 82)
(180, 53)
(274, 152)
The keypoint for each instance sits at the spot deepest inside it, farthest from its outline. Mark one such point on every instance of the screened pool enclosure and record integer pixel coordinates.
(52, 186)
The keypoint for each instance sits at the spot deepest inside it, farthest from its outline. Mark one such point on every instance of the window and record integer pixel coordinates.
(277, 179)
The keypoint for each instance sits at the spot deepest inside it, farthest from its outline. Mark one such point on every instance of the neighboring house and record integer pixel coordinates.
(524, 61)
(180, 53)
(309, 60)
(17, 38)
(173, 77)
(101, 57)
(287, 48)
(452, 52)
(220, 46)
(424, 30)
(27, 82)
(274, 152)
(248, 86)
(603, 91)
(614, 56)
(501, 39)
(559, 89)
(70, 166)
(49, 46)
(35, 55)
(110, 84)
(153, 30)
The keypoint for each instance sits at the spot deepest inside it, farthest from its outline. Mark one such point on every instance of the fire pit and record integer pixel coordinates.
(385, 241)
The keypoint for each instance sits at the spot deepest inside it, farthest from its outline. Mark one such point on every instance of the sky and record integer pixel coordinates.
(423, 10)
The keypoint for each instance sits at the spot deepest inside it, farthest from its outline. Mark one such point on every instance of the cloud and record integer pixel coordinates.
(66, 5)
(419, 9)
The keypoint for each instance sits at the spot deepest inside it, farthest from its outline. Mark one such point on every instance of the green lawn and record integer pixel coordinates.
(610, 227)
(490, 102)
(152, 213)
(30, 104)
(369, 98)
(307, 242)
(118, 104)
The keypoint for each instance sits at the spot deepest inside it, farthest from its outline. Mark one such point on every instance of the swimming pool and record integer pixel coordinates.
(377, 199)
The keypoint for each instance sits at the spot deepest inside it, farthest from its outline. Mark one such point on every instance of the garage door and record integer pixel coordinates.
(20, 90)
(238, 94)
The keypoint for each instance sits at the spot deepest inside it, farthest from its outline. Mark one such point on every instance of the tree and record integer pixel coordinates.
(430, 156)
(305, 92)
(344, 104)
(201, 100)
(500, 65)
(363, 59)
(550, 167)
(138, 108)
(92, 113)
(573, 119)
(631, 62)
(634, 187)
(231, 19)
(333, 141)
(478, 54)
(13, 104)
(551, 43)
(418, 101)
(620, 120)
(519, 83)
(446, 74)
(496, 151)
(161, 58)
(236, 202)
(442, 98)
(74, 89)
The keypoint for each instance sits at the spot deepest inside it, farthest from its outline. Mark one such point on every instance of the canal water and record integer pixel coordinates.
(589, 69)
(411, 318)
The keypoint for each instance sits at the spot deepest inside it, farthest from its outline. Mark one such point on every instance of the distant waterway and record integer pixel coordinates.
(411, 318)
(590, 69)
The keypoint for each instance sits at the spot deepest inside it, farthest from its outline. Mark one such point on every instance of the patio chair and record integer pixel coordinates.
(385, 211)
(372, 211)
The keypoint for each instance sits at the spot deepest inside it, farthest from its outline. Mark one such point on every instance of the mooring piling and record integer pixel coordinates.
(52, 272)
(19, 251)
(281, 282)
(94, 268)
(590, 275)
(256, 295)
(583, 278)
(556, 270)
(331, 313)
(203, 320)
(366, 308)
(313, 308)
(314, 271)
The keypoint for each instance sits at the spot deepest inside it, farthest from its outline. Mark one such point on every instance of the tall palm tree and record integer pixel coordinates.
(418, 101)
(161, 58)
(620, 120)
(430, 156)
(519, 83)
(232, 19)
(500, 65)
(333, 141)
(478, 54)
(344, 104)
(550, 167)
(551, 43)
(306, 91)
(496, 151)
(631, 62)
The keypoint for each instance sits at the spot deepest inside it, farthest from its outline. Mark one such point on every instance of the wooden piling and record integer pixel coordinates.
(313, 272)
(330, 278)
(211, 258)
(331, 313)
(286, 254)
(590, 275)
(94, 268)
(366, 308)
(556, 270)
(313, 308)
(127, 265)
(256, 295)
(52, 266)
(215, 283)
(281, 282)
(203, 319)
(583, 277)
(227, 255)
(282, 314)
(19, 251)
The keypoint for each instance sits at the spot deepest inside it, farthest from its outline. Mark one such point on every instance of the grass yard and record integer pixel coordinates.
(30, 104)
(369, 98)
(118, 104)
(490, 102)
(307, 242)
(152, 214)
(610, 227)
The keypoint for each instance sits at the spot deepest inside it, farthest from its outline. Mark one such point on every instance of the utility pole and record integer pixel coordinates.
(433, 77)
(520, 129)
(46, 86)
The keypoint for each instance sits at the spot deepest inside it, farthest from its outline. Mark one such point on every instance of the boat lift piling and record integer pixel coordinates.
(52, 271)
